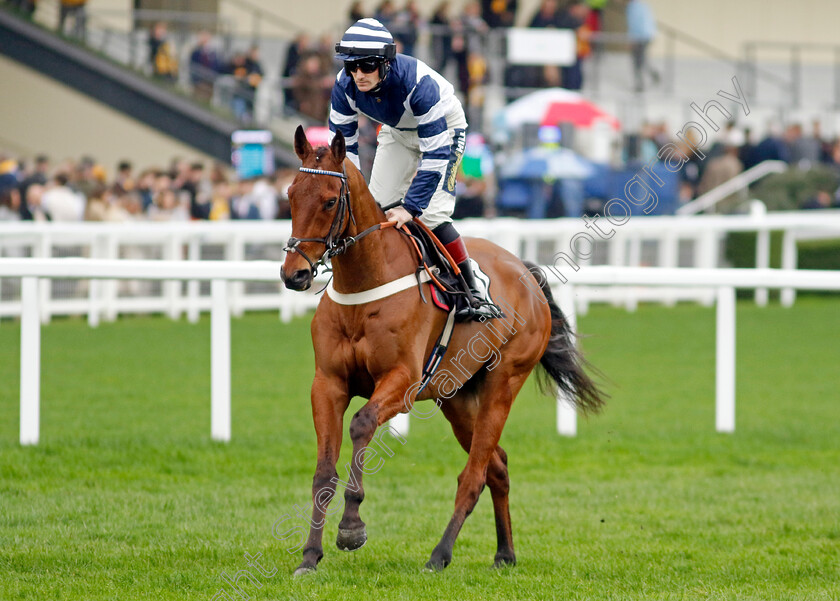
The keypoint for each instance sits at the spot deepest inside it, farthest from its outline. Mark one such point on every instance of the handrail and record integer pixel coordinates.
(750, 52)
(736, 184)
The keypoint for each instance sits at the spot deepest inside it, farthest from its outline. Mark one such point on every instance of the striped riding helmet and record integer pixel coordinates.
(366, 38)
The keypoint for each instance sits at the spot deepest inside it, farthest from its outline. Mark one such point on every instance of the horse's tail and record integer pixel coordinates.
(562, 362)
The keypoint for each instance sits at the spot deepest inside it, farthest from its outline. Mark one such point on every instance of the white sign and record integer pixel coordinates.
(528, 46)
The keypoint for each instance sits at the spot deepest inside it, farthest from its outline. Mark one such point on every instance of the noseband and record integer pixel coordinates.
(333, 241)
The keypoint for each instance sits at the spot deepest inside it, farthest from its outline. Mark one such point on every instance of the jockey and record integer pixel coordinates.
(421, 140)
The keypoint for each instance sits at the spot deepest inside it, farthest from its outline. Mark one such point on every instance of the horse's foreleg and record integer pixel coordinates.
(329, 402)
(497, 394)
(385, 402)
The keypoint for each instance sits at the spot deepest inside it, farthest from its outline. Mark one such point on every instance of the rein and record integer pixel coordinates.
(334, 244)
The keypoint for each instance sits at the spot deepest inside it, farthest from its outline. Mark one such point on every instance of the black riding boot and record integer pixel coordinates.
(482, 306)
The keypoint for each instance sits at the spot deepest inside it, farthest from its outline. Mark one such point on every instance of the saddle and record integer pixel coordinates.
(448, 289)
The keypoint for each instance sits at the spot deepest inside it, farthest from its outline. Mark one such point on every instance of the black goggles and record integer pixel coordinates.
(365, 65)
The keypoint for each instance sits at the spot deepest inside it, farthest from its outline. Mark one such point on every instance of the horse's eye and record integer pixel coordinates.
(330, 203)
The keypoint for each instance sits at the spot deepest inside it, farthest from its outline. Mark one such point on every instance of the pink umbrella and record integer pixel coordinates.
(556, 105)
(580, 114)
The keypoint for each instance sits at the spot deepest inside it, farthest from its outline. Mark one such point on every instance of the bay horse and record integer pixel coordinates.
(376, 349)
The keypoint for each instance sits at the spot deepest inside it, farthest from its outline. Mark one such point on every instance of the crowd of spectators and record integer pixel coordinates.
(206, 65)
(737, 150)
(83, 191)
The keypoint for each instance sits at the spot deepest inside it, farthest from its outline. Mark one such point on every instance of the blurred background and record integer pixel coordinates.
(131, 106)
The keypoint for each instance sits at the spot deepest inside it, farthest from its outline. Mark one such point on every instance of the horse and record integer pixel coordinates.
(375, 348)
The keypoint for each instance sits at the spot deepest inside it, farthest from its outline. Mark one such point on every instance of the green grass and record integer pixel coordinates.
(126, 497)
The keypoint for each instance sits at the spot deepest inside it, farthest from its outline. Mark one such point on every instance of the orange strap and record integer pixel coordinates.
(440, 246)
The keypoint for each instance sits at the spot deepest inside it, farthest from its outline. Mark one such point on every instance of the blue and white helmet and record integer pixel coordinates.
(366, 38)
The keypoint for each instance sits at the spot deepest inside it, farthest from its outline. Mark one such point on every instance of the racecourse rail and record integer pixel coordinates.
(662, 241)
(223, 274)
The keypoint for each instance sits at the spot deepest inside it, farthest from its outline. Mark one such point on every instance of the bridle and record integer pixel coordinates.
(334, 243)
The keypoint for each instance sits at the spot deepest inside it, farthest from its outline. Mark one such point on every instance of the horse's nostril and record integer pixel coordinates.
(299, 280)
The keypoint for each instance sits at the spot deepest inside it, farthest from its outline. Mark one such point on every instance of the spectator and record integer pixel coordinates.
(356, 12)
(204, 67)
(746, 154)
(297, 49)
(199, 192)
(248, 73)
(406, 24)
(467, 39)
(821, 200)
(772, 147)
(499, 13)
(146, 188)
(168, 207)
(27, 7)
(805, 151)
(162, 58)
(575, 17)
(722, 169)
(641, 29)
(220, 205)
(547, 16)
(124, 179)
(77, 10)
(9, 190)
(312, 87)
(385, 13)
(39, 176)
(242, 205)
(441, 37)
(60, 203)
(32, 201)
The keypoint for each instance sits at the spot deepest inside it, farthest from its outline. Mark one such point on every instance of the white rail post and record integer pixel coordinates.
(789, 261)
(95, 290)
(44, 250)
(110, 288)
(725, 361)
(220, 362)
(758, 210)
(194, 254)
(172, 288)
(566, 415)
(762, 261)
(30, 362)
(669, 257)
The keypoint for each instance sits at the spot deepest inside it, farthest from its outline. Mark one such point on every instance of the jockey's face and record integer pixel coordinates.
(364, 81)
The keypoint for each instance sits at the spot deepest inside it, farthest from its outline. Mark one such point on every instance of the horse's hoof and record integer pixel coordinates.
(303, 571)
(437, 563)
(503, 561)
(350, 540)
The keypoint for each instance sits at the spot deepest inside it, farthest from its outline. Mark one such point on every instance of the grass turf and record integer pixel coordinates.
(127, 498)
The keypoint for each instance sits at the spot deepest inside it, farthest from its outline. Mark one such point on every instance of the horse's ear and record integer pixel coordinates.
(302, 146)
(338, 149)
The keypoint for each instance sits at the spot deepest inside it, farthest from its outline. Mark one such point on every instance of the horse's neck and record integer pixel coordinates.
(376, 259)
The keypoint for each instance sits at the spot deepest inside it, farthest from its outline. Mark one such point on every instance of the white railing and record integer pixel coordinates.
(223, 274)
(640, 241)
(736, 184)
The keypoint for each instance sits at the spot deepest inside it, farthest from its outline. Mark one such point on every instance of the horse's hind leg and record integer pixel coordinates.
(496, 397)
(460, 411)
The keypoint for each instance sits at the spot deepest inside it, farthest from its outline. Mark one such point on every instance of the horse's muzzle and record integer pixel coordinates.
(299, 280)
